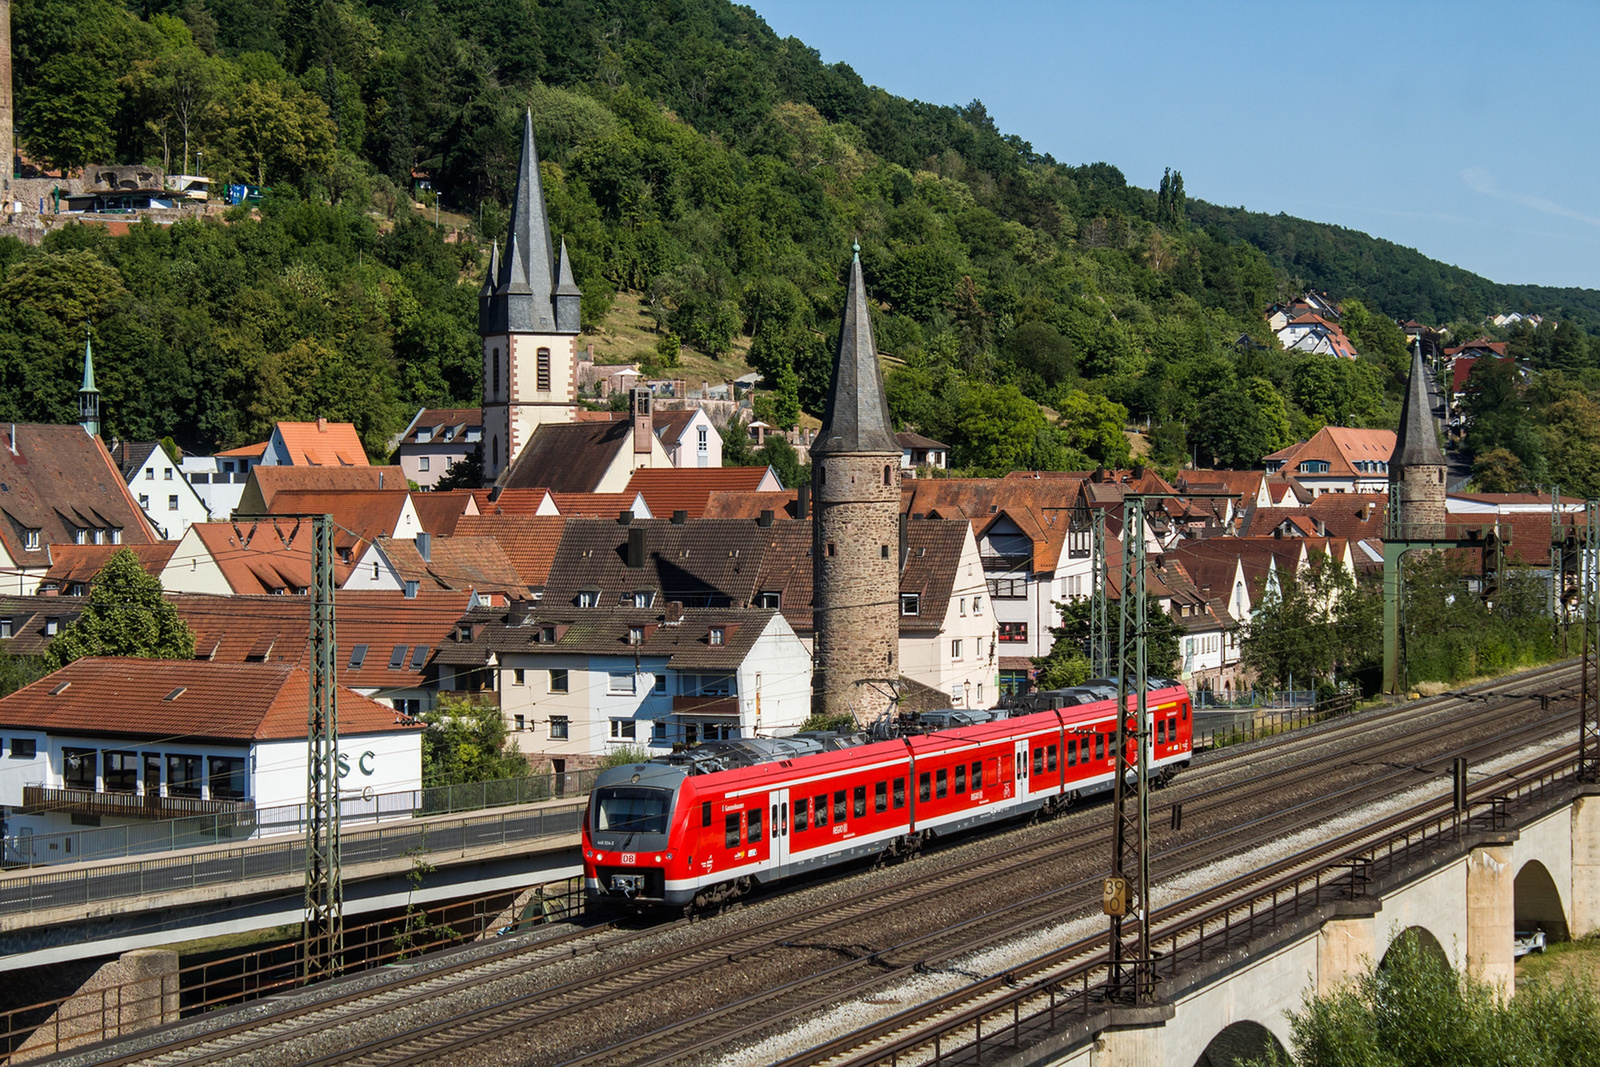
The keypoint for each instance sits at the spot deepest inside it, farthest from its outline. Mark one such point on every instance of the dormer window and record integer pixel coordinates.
(911, 603)
(636, 635)
(547, 636)
(424, 436)
(80, 536)
(642, 598)
(717, 635)
(589, 598)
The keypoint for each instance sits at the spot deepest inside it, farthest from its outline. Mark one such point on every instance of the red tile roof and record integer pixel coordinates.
(360, 516)
(322, 444)
(669, 425)
(688, 489)
(58, 480)
(1339, 447)
(475, 563)
(439, 421)
(271, 556)
(248, 451)
(528, 541)
(265, 483)
(501, 501)
(187, 699)
(720, 505)
(82, 563)
(439, 512)
(596, 505)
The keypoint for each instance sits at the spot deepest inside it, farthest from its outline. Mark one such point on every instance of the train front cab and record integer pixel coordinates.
(628, 833)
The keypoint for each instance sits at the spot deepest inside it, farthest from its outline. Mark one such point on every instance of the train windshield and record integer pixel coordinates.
(632, 810)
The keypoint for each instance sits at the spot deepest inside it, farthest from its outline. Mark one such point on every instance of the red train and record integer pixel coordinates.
(703, 826)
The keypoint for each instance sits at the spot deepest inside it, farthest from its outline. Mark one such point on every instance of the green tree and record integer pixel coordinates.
(1093, 425)
(1068, 663)
(464, 473)
(999, 430)
(780, 455)
(668, 349)
(1417, 1011)
(1572, 438)
(465, 741)
(126, 615)
(67, 109)
(1317, 623)
(736, 450)
(1498, 471)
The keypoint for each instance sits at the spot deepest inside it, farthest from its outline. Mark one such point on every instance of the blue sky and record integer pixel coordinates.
(1467, 130)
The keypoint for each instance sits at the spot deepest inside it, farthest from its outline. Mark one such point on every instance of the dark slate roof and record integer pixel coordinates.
(933, 552)
(28, 615)
(129, 456)
(568, 457)
(684, 640)
(857, 416)
(523, 296)
(704, 563)
(1417, 443)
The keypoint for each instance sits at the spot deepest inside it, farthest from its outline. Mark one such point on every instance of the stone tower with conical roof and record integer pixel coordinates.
(855, 557)
(88, 395)
(528, 317)
(1417, 469)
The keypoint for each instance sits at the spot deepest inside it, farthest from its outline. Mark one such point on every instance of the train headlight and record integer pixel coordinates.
(658, 859)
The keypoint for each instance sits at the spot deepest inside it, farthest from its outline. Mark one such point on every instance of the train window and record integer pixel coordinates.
(840, 808)
(1072, 752)
(1038, 761)
(784, 816)
(977, 774)
(819, 808)
(899, 792)
(705, 813)
(941, 783)
(1183, 712)
(1099, 746)
(961, 778)
(755, 825)
(924, 789)
(1050, 758)
(732, 829)
(880, 797)
(800, 815)
(861, 801)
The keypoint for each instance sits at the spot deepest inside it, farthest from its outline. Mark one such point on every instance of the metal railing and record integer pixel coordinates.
(249, 863)
(1273, 723)
(109, 842)
(128, 803)
(1192, 932)
(53, 1026)
(1226, 700)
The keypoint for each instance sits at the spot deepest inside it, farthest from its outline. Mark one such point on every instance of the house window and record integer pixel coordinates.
(183, 775)
(977, 605)
(963, 607)
(543, 367)
(52, 625)
(166, 474)
(1013, 631)
(423, 463)
(955, 649)
(521, 723)
(658, 731)
(122, 772)
(589, 598)
(636, 635)
(5, 628)
(24, 748)
(1008, 588)
(116, 535)
(558, 681)
(358, 656)
(910, 603)
(79, 767)
(621, 683)
(558, 727)
(80, 536)
(661, 683)
(643, 598)
(144, 500)
(518, 676)
(623, 729)
(704, 440)
(227, 778)
(769, 600)
(717, 635)
(30, 540)
(172, 503)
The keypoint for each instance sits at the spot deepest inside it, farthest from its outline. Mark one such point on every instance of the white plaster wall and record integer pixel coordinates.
(388, 762)
(193, 570)
(362, 575)
(166, 480)
(16, 773)
(779, 669)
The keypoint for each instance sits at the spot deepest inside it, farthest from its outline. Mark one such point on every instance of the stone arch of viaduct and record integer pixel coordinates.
(1545, 874)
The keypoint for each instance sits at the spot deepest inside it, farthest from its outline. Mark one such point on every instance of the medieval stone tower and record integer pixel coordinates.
(1417, 469)
(855, 557)
(528, 319)
(8, 146)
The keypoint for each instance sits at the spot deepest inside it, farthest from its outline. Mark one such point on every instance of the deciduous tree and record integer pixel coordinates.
(126, 615)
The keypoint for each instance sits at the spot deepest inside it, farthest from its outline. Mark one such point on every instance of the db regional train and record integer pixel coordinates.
(704, 825)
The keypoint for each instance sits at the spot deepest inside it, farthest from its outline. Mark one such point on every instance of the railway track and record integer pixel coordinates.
(1298, 758)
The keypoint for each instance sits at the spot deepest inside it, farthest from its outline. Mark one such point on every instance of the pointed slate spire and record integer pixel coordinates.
(1416, 444)
(569, 298)
(523, 296)
(88, 395)
(857, 415)
(491, 275)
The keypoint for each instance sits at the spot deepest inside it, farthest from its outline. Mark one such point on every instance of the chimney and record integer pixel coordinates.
(636, 547)
(674, 610)
(765, 519)
(519, 611)
(680, 517)
(380, 479)
(322, 424)
(1138, 471)
(425, 547)
(589, 353)
(1099, 474)
(643, 431)
(802, 502)
(624, 518)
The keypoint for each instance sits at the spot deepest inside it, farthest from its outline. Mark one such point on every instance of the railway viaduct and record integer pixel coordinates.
(1541, 872)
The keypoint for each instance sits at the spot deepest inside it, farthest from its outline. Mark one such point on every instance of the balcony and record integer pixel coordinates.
(728, 706)
(1007, 562)
(490, 697)
(41, 798)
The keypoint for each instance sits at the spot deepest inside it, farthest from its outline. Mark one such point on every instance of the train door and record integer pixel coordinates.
(1022, 769)
(778, 802)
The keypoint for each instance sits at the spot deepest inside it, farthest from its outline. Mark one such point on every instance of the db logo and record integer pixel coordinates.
(628, 859)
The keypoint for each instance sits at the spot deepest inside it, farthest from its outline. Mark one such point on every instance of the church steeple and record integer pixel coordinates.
(523, 297)
(857, 414)
(1416, 443)
(569, 298)
(1418, 503)
(88, 395)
